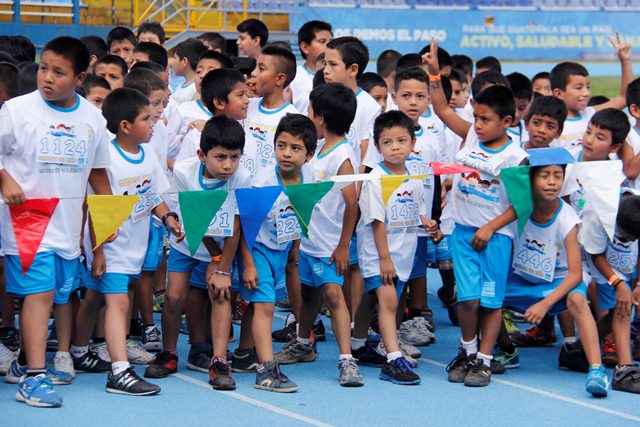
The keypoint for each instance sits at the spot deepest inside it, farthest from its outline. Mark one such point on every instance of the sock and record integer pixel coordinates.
(470, 347)
(291, 318)
(22, 358)
(119, 367)
(569, 340)
(305, 341)
(345, 356)
(222, 359)
(353, 325)
(486, 359)
(357, 343)
(393, 356)
(35, 372)
(79, 351)
(596, 366)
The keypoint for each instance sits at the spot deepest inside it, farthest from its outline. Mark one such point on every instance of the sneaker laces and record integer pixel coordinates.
(219, 366)
(402, 364)
(458, 360)
(632, 370)
(276, 372)
(43, 382)
(350, 367)
(5, 353)
(152, 333)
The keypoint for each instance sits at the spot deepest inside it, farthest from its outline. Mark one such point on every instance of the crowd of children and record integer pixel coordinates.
(123, 117)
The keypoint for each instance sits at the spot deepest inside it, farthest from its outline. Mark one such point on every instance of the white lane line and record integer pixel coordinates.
(549, 394)
(254, 402)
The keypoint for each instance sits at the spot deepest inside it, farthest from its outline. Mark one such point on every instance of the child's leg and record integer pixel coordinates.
(63, 314)
(34, 322)
(261, 330)
(88, 313)
(144, 296)
(294, 289)
(387, 307)
(7, 302)
(402, 305)
(197, 305)
(448, 284)
(220, 326)
(417, 294)
(160, 278)
(567, 325)
(490, 324)
(621, 327)
(311, 301)
(340, 319)
(246, 329)
(468, 315)
(356, 284)
(174, 302)
(116, 320)
(579, 309)
(364, 315)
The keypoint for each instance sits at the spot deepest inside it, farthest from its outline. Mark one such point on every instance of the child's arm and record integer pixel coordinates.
(440, 105)
(623, 293)
(171, 223)
(219, 280)
(484, 233)
(250, 274)
(341, 254)
(630, 161)
(387, 270)
(536, 312)
(624, 55)
(12, 193)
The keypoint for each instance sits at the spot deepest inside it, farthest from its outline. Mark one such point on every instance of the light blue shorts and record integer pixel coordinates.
(236, 276)
(419, 268)
(480, 275)
(155, 248)
(181, 263)
(316, 272)
(110, 283)
(374, 282)
(607, 295)
(522, 294)
(47, 272)
(353, 250)
(439, 252)
(271, 266)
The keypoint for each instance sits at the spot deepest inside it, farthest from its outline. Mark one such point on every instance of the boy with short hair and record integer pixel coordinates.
(97, 49)
(185, 61)
(313, 37)
(488, 63)
(631, 148)
(523, 92)
(121, 41)
(213, 41)
(151, 32)
(459, 89)
(375, 86)
(132, 172)
(324, 257)
(113, 69)
(96, 89)
(544, 122)
(149, 51)
(253, 35)
(386, 66)
(541, 84)
(9, 86)
(63, 65)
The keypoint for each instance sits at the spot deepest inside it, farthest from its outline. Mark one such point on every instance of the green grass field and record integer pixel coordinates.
(607, 86)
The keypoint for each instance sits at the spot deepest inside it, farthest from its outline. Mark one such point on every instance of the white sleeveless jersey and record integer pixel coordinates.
(183, 93)
(573, 131)
(186, 113)
(301, 87)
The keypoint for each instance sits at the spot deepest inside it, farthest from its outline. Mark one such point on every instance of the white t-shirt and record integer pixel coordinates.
(539, 254)
(573, 131)
(325, 226)
(50, 152)
(633, 139)
(301, 87)
(183, 93)
(401, 217)
(260, 128)
(160, 145)
(480, 197)
(188, 175)
(518, 133)
(362, 127)
(185, 114)
(132, 174)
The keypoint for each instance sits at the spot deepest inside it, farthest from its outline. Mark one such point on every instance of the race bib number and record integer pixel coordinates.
(420, 168)
(145, 205)
(622, 256)
(403, 211)
(535, 258)
(63, 144)
(222, 223)
(287, 226)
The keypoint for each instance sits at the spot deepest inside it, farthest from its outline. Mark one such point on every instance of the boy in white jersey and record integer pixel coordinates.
(275, 69)
(544, 122)
(215, 168)
(132, 171)
(34, 170)
(630, 151)
(313, 37)
(264, 266)
(523, 93)
(324, 256)
(185, 61)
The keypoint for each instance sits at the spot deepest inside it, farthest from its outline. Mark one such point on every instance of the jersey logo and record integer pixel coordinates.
(473, 184)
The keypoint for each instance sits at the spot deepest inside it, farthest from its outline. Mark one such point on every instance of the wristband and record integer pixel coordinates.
(435, 78)
(616, 283)
(216, 258)
(167, 215)
(613, 279)
(223, 273)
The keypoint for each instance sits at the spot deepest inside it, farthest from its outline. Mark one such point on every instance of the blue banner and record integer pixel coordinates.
(517, 35)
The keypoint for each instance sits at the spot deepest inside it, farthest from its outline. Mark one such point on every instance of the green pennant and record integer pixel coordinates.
(303, 198)
(518, 185)
(198, 209)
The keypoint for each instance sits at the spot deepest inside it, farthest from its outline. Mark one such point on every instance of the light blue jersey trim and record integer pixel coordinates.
(499, 150)
(61, 109)
(201, 180)
(277, 110)
(127, 158)
(551, 221)
(203, 108)
(344, 141)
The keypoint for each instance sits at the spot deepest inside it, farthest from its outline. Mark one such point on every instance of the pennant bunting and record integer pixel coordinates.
(254, 205)
(198, 209)
(441, 168)
(303, 198)
(390, 183)
(518, 185)
(600, 182)
(108, 213)
(30, 221)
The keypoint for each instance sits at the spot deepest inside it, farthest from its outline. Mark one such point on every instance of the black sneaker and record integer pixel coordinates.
(399, 371)
(573, 358)
(479, 374)
(129, 383)
(90, 362)
(626, 378)
(497, 367)
(319, 333)
(136, 330)
(244, 361)
(368, 356)
(220, 375)
(162, 366)
(458, 368)
(285, 334)
(451, 306)
(199, 357)
(10, 337)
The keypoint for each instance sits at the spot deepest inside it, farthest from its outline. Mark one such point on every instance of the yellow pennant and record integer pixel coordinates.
(390, 183)
(108, 213)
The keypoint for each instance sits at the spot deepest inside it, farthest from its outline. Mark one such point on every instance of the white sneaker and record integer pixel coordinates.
(138, 355)
(415, 333)
(151, 338)
(102, 351)
(6, 357)
(383, 351)
(63, 362)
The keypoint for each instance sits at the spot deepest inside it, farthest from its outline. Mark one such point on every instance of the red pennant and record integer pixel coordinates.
(30, 221)
(441, 168)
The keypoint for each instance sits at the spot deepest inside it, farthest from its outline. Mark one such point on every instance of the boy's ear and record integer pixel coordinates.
(353, 70)
(507, 121)
(615, 148)
(634, 110)
(281, 78)
(304, 47)
(558, 93)
(201, 155)
(219, 104)
(80, 78)
(124, 127)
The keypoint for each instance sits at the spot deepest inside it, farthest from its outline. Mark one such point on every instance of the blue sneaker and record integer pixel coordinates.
(597, 382)
(15, 372)
(58, 377)
(399, 371)
(38, 391)
(509, 361)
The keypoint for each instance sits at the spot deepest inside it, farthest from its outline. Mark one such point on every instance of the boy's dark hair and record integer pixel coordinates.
(491, 63)
(392, 119)
(223, 59)
(336, 104)
(94, 81)
(633, 93)
(6, 57)
(146, 81)
(597, 100)
(152, 27)
(410, 60)
(444, 58)
(614, 121)
(308, 32)
(560, 74)
(458, 75)
(285, 61)
(214, 40)
(281, 44)
(300, 126)
(412, 74)
(520, 85)
(462, 63)
(28, 78)
(119, 34)
(122, 104)
(96, 45)
(222, 131)
(156, 52)
(217, 84)
(533, 171)
(370, 80)
(628, 219)
(72, 49)
(19, 47)
(387, 62)
(352, 51)
(499, 98)
(446, 87)
(148, 65)
(318, 78)
(115, 60)
(488, 78)
(255, 28)
(540, 75)
(244, 64)
(548, 106)
(191, 49)
(9, 81)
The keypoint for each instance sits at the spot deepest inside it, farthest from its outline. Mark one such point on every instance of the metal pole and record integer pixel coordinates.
(16, 12)
(76, 12)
